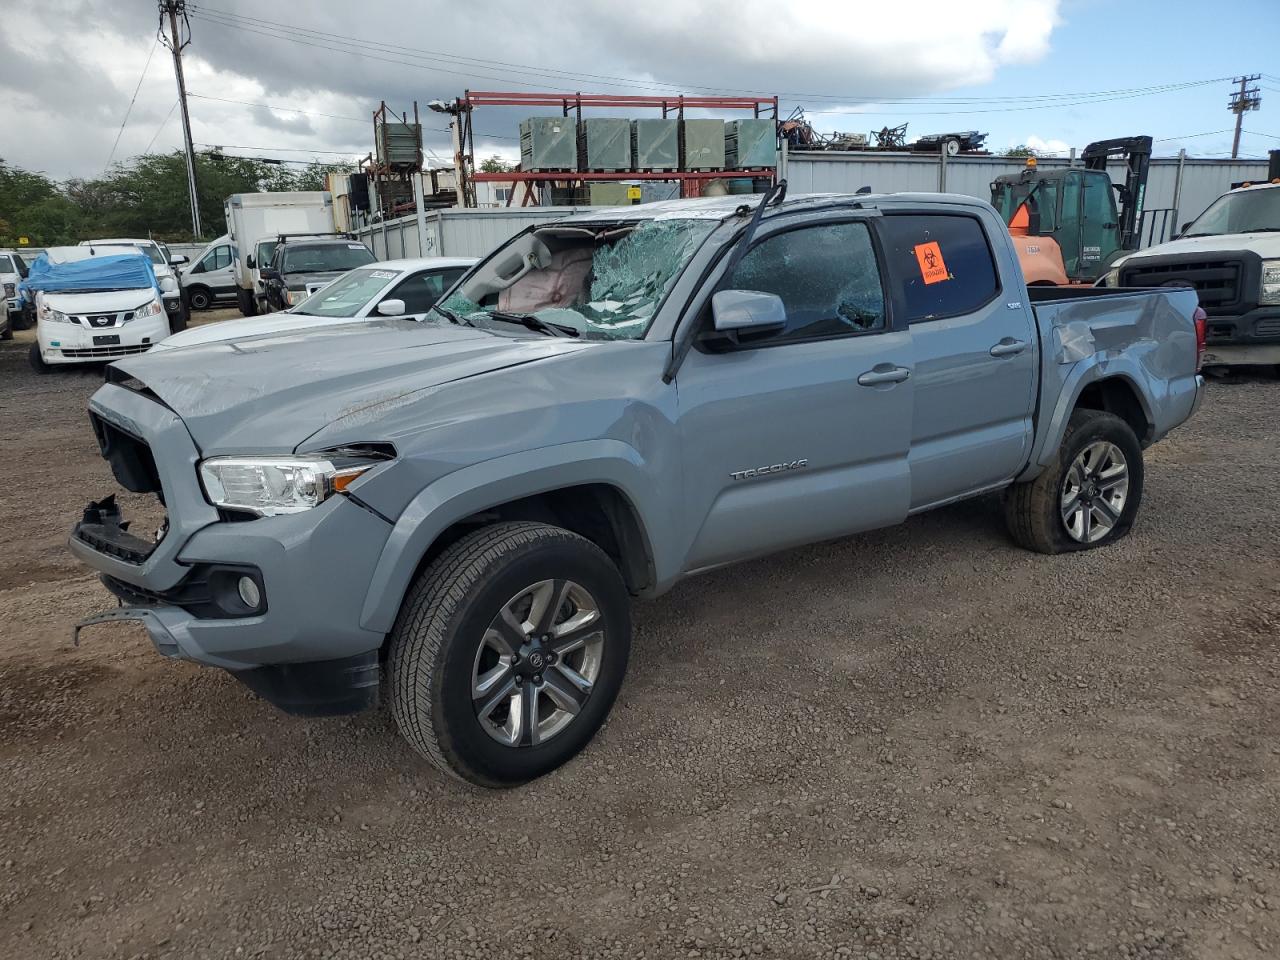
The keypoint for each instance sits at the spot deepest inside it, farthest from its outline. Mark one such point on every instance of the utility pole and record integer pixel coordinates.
(173, 9)
(1242, 100)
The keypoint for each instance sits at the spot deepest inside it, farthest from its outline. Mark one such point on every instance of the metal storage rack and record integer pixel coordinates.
(673, 108)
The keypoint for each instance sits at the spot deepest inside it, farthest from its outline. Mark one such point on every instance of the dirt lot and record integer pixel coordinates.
(918, 743)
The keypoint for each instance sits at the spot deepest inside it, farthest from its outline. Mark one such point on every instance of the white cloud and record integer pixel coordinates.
(1050, 147)
(68, 67)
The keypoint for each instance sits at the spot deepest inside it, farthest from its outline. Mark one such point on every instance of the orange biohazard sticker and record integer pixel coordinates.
(932, 266)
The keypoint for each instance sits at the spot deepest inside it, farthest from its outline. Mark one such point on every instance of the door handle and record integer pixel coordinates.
(883, 373)
(1008, 347)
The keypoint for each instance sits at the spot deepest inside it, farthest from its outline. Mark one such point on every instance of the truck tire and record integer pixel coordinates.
(245, 301)
(508, 652)
(22, 320)
(8, 331)
(1088, 496)
(199, 298)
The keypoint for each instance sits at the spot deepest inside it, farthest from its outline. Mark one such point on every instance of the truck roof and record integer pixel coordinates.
(720, 208)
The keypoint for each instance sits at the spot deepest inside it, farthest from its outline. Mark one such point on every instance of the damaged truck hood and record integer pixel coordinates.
(269, 394)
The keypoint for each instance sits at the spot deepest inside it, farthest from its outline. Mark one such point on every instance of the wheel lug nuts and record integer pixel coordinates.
(537, 678)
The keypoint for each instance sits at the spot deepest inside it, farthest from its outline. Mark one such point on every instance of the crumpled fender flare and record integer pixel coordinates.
(489, 484)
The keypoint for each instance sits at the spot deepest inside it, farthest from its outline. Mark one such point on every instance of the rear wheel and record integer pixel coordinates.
(245, 301)
(1088, 496)
(8, 331)
(508, 652)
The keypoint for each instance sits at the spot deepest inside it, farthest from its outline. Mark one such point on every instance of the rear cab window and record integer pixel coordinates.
(940, 265)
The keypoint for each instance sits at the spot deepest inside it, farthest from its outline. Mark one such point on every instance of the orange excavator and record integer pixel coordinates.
(1069, 224)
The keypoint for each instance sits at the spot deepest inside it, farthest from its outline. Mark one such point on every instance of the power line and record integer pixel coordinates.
(368, 49)
(242, 146)
(132, 100)
(1192, 136)
(160, 128)
(1254, 133)
(331, 116)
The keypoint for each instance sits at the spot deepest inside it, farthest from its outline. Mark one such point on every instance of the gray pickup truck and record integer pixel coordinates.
(603, 406)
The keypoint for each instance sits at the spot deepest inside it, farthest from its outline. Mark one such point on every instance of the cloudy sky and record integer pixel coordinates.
(299, 80)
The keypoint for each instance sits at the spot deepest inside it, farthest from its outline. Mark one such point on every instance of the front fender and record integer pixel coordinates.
(490, 483)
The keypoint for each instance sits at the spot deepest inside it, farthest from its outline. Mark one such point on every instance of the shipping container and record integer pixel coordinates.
(548, 143)
(604, 143)
(703, 144)
(655, 144)
(398, 144)
(750, 144)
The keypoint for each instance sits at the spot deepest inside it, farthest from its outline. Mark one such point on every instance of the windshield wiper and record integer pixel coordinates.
(530, 322)
(451, 316)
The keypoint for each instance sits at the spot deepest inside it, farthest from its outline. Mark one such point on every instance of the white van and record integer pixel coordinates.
(212, 277)
(79, 324)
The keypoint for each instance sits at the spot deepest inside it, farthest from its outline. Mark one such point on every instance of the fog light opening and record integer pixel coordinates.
(249, 592)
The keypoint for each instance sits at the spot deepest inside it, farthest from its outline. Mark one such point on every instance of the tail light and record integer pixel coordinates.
(1202, 324)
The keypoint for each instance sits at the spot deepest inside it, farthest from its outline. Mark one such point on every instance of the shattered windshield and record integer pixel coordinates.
(600, 281)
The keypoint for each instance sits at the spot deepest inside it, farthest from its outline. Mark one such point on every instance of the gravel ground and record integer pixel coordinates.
(921, 742)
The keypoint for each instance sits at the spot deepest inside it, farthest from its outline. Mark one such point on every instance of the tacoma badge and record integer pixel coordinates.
(773, 468)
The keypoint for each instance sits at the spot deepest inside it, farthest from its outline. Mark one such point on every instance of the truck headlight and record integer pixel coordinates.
(269, 486)
(295, 297)
(1270, 292)
(152, 309)
(50, 315)
(168, 285)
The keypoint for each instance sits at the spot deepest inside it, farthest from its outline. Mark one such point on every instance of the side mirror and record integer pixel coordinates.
(391, 308)
(736, 313)
(248, 261)
(179, 260)
(1183, 229)
(269, 273)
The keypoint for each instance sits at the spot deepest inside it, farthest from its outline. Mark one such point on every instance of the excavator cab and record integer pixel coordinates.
(1067, 224)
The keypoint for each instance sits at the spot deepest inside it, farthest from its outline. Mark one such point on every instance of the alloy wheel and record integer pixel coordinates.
(537, 663)
(1095, 491)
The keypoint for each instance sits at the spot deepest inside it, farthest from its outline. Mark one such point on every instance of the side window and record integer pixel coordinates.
(419, 292)
(827, 278)
(221, 258)
(941, 266)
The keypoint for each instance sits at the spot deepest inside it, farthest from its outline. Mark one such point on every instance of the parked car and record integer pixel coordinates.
(603, 406)
(93, 304)
(300, 267)
(1230, 254)
(163, 263)
(13, 268)
(403, 289)
(212, 277)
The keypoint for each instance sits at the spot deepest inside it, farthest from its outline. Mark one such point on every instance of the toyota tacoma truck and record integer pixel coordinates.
(605, 405)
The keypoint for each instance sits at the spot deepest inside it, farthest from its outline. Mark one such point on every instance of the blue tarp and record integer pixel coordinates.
(127, 271)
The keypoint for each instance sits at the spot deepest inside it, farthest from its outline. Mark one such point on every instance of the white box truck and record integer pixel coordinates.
(254, 220)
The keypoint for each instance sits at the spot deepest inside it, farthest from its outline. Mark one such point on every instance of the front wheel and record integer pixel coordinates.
(508, 652)
(199, 298)
(1088, 496)
(37, 361)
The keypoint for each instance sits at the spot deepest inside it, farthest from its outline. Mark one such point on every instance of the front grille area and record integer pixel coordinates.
(1267, 327)
(98, 353)
(1216, 281)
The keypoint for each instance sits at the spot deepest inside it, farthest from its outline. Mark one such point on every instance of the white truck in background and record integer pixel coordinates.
(254, 220)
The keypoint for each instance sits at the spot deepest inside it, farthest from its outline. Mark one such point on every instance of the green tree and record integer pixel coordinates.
(1021, 150)
(494, 164)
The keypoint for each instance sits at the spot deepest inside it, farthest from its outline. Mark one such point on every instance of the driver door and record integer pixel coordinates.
(803, 434)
